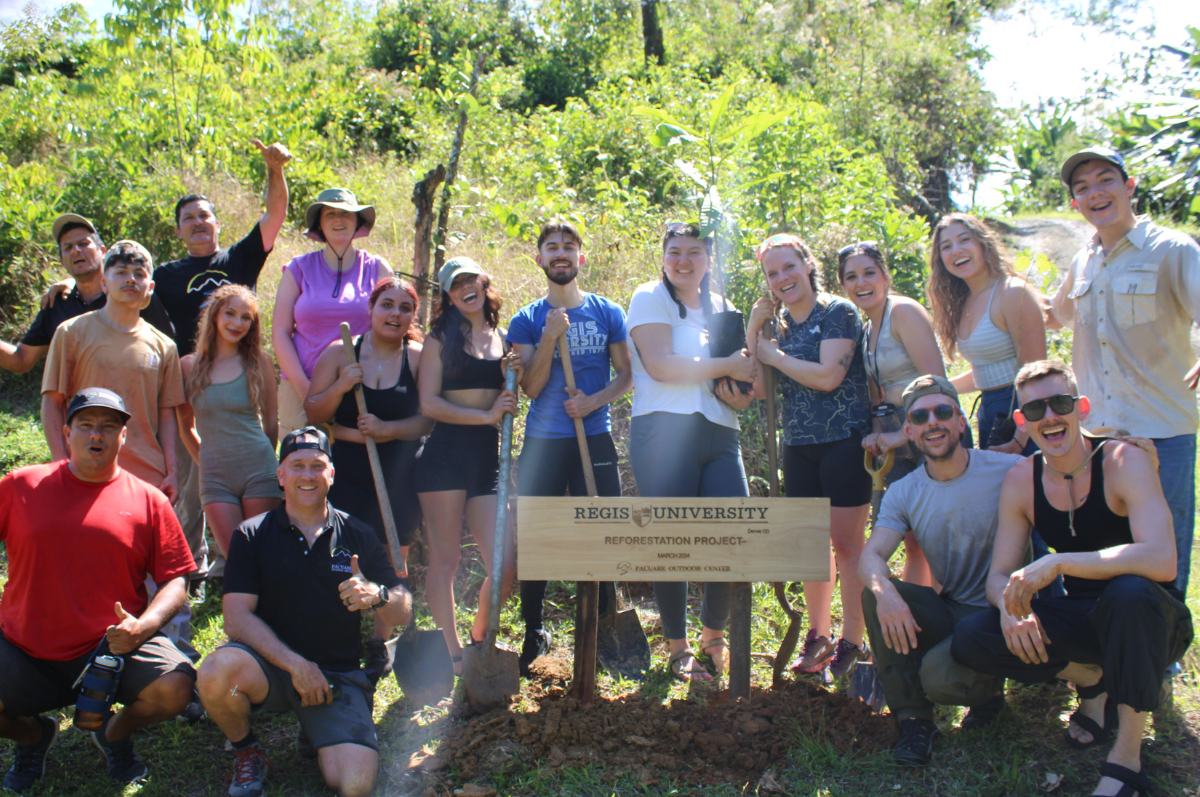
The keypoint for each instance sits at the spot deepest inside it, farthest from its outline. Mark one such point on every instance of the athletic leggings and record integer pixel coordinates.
(686, 456)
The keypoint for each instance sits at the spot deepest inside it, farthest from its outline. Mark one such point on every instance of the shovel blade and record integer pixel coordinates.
(422, 666)
(621, 644)
(866, 686)
(490, 676)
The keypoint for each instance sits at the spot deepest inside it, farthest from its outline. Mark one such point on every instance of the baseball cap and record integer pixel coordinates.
(1092, 154)
(294, 441)
(70, 218)
(927, 385)
(96, 397)
(455, 266)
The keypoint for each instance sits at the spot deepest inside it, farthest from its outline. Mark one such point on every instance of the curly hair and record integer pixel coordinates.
(249, 347)
(450, 327)
(395, 283)
(947, 293)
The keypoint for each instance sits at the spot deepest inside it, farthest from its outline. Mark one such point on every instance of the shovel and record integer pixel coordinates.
(864, 678)
(423, 670)
(491, 675)
(617, 639)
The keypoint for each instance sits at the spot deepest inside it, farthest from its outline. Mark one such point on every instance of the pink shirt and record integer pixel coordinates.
(318, 313)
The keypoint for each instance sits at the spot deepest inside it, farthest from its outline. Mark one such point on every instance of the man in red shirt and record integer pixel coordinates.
(82, 536)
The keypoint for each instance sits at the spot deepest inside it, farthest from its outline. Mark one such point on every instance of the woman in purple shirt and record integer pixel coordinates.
(319, 291)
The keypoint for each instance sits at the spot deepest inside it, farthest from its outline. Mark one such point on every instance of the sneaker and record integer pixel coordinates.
(250, 768)
(984, 714)
(378, 664)
(124, 766)
(915, 746)
(537, 643)
(304, 745)
(818, 652)
(29, 763)
(845, 657)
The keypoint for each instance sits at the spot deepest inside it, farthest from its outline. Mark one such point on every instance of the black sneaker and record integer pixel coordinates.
(915, 746)
(984, 714)
(537, 643)
(124, 766)
(29, 763)
(378, 665)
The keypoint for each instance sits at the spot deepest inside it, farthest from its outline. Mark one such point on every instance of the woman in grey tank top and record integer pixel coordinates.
(898, 346)
(982, 310)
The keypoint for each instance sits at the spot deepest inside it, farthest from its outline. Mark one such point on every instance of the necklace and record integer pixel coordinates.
(1070, 479)
(971, 303)
(378, 360)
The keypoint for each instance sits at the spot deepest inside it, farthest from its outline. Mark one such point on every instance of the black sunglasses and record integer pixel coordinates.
(1062, 404)
(943, 412)
(872, 246)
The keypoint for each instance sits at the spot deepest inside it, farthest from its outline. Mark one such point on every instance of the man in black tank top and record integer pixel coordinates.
(1100, 507)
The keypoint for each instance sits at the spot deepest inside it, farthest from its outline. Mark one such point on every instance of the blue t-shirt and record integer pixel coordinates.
(814, 416)
(594, 325)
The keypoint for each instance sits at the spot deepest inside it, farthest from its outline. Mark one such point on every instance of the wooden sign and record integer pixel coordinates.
(673, 539)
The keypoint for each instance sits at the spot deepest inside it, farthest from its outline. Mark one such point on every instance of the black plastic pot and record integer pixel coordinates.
(727, 335)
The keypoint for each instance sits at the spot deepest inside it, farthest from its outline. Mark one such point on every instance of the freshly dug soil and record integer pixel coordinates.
(699, 741)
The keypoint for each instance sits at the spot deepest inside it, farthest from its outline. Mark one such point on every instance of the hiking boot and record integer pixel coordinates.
(845, 657)
(818, 652)
(250, 768)
(378, 664)
(915, 746)
(984, 714)
(29, 763)
(124, 766)
(537, 643)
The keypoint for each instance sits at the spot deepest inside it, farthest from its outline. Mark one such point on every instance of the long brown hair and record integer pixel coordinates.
(395, 283)
(947, 293)
(249, 347)
(452, 328)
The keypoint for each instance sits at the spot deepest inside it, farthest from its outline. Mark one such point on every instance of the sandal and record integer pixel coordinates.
(1131, 782)
(1099, 734)
(717, 643)
(689, 675)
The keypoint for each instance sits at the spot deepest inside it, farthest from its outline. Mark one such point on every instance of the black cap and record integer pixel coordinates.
(294, 441)
(96, 397)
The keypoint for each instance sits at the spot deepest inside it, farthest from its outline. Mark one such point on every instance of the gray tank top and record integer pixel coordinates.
(225, 418)
(990, 350)
(889, 366)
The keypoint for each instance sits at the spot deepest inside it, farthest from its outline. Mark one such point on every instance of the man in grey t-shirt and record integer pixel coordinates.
(951, 505)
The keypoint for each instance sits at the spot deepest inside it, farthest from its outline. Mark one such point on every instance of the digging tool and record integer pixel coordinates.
(617, 639)
(491, 675)
(864, 678)
(420, 659)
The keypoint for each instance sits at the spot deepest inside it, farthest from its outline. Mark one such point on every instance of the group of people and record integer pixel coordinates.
(157, 389)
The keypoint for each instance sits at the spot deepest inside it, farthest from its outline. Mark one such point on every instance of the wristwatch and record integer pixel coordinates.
(384, 595)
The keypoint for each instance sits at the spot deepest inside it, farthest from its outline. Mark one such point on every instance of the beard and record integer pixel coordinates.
(561, 277)
(953, 442)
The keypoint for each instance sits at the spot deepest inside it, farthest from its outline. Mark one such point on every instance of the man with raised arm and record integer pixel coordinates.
(83, 536)
(950, 505)
(1099, 506)
(81, 252)
(114, 348)
(1131, 296)
(551, 462)
(296, 580)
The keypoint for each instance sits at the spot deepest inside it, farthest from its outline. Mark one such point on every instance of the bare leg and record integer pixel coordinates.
(1127, 749)
(444, 515)
(223, 518)
(916, 566)
(162, 700)
(1085, 675)
(846, 528)
(481, 520)
(818, 600)
(230, 681)
(349, 769)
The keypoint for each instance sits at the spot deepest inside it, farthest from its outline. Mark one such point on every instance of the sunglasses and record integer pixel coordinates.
(943, 412)
(682, 228)
(1062, 404)
(872, 246)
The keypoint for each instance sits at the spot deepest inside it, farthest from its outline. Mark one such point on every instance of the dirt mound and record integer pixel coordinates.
(699, 742)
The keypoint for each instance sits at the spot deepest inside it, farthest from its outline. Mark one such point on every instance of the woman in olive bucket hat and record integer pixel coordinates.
(319, 291)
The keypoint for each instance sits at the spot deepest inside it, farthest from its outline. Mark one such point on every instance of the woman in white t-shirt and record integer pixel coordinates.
(683, 439)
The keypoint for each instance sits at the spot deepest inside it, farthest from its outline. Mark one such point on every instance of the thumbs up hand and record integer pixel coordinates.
(127, 635)
(356, 592)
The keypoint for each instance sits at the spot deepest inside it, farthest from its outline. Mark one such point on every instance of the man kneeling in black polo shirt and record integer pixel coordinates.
(295, 579)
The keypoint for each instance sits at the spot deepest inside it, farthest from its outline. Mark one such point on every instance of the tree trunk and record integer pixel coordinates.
(652, 34)
(423, 196)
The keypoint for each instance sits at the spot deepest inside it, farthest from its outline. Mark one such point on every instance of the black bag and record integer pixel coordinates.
(726, 336)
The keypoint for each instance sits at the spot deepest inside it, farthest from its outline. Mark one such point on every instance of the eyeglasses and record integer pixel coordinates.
(872, 246)
(943, 412)
(1062, 404)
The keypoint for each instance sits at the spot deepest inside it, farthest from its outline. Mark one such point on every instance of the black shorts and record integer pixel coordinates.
(549, 466)
(29, 686)
(828, 470)
(460, 458)
(347, 720)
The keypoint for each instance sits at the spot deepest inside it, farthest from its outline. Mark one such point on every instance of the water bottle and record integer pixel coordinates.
(97, 690)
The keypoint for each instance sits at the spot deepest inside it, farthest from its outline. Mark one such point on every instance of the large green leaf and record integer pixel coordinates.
(666, 135)
(717, 111)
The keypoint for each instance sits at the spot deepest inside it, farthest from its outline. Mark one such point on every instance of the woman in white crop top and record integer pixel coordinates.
(982, 310)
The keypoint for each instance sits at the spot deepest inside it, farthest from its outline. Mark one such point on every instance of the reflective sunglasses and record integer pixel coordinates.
(872, 246)
(943, 412)
(1062, 404)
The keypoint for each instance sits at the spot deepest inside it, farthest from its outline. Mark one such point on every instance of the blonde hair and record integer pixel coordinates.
(249, 347)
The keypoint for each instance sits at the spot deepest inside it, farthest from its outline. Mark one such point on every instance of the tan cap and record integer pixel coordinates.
(927, 385)
(70, 218)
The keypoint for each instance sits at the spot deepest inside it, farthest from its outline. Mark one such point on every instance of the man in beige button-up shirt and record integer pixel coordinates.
(1130, 296)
